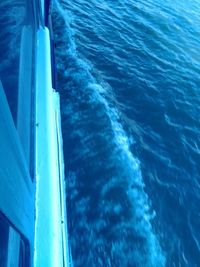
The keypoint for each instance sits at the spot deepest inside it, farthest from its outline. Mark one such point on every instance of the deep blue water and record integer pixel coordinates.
(129, 77)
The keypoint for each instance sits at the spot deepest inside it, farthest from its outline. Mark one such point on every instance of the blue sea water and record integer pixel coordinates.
(128, 73)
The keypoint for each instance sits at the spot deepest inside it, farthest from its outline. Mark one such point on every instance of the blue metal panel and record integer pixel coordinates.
(16, 188)
(48, 238)
(51, 226)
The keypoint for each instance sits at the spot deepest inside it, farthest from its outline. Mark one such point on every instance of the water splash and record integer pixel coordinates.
(109, 215)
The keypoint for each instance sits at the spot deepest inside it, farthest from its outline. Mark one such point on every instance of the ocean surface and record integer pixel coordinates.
(128, 73)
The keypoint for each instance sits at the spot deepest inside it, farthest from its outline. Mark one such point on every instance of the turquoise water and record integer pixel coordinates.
(128, 75)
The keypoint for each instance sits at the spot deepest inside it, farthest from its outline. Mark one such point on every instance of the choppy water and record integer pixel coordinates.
(128, 75)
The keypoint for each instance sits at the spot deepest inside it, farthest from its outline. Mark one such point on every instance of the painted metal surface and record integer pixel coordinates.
(16, 188)
(35, 207)
(49, 246)
(25, 114)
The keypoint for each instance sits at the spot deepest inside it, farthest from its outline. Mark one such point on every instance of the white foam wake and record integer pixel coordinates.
(71, 67)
